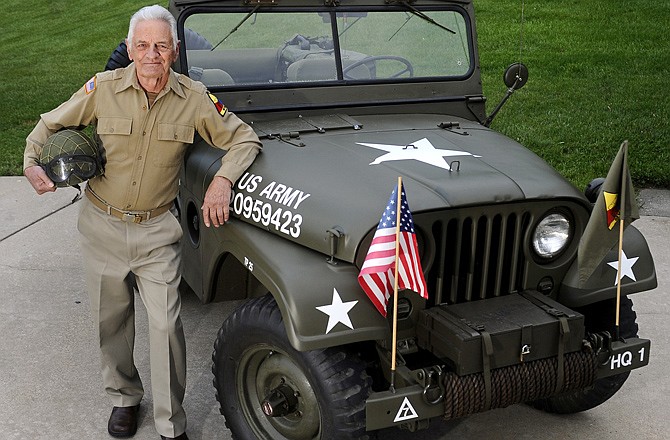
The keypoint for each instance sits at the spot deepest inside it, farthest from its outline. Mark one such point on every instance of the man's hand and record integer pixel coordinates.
(39, 180)
(216, 208)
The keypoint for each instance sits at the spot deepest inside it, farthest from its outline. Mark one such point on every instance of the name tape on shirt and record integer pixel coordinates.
(219, 107)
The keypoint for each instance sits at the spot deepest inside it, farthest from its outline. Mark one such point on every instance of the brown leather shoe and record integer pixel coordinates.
(181, 437)
(123, 421)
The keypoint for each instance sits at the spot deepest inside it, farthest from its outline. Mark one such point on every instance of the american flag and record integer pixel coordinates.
(89, 87)
(377, 275)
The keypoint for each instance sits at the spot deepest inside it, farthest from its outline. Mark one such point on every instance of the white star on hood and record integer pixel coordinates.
(421, 150)
(626, 267)
(337, 311)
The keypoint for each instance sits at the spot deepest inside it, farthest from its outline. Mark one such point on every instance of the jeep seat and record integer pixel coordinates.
(211, 77)
(245, 66)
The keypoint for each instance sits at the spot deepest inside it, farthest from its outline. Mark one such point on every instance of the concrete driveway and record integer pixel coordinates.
(50, 382)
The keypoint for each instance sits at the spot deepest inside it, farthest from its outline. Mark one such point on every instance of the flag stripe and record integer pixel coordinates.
(381, 254)
(374, 287)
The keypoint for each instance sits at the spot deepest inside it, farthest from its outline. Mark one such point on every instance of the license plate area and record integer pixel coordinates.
(625, 356)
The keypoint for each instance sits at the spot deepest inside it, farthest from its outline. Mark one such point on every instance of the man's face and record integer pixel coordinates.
(151, 48)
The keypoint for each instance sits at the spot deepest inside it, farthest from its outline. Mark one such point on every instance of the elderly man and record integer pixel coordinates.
(145, 115)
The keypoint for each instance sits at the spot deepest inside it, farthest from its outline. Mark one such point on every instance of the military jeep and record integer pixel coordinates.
(346, 97)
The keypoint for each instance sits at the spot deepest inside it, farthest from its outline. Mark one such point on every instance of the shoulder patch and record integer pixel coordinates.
(219, 107)
(89, 87)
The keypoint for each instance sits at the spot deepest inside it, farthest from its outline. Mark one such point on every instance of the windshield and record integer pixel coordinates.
(304, 48)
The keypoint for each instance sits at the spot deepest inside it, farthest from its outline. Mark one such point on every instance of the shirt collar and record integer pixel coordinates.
(129, 79)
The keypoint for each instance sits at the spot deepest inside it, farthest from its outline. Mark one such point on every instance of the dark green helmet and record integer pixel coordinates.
(70, 157)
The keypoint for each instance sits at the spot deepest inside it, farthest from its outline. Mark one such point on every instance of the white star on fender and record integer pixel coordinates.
(626, 267)
(421, 150)
(337, 311)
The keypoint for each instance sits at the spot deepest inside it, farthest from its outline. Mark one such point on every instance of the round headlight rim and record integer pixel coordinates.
(565, 213)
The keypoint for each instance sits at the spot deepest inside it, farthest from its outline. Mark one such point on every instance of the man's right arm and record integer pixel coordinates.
(75, 112)
(31, 168)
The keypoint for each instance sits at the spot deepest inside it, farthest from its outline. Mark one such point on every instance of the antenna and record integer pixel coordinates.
(521, 26)
(516, 75)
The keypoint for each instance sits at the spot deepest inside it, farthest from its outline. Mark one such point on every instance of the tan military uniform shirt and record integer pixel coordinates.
(145, 146)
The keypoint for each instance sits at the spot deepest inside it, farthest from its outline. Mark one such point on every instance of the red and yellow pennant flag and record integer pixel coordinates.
(615, 203)
(612, 207)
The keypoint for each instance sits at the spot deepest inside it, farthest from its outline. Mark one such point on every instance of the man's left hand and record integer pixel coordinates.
(216, 208)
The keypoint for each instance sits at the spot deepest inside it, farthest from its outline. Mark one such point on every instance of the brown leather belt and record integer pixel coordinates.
(126, 216)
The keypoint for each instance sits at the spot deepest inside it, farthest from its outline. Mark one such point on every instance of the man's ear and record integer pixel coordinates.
(128, 50)
(176, 51)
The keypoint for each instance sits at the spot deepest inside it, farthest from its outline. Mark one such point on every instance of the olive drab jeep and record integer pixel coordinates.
(346, 97)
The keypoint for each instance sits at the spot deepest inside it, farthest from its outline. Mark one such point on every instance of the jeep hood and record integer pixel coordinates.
(342, 178)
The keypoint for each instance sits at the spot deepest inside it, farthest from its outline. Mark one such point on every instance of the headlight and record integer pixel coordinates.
(552, 235)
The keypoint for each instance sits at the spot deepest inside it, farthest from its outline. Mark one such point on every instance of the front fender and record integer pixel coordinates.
(322, 304)
(602, 283)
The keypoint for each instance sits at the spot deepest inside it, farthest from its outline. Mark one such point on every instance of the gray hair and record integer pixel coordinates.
(155, 12)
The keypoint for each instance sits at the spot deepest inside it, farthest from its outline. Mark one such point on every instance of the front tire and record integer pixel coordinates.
(253, 360)
(599, 317)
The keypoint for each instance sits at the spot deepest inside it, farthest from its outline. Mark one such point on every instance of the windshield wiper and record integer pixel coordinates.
(409, 17)
(423, 16)
(253, 11)
(349, 26)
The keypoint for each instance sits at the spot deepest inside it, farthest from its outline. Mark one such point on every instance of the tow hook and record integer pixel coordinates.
(433, 385)
(280, 401)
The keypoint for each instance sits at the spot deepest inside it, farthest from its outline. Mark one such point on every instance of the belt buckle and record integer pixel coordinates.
(132, 217)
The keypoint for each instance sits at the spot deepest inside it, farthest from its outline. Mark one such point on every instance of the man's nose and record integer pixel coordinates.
(153, 51)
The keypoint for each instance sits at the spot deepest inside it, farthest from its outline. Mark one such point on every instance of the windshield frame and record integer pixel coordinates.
(335, 34)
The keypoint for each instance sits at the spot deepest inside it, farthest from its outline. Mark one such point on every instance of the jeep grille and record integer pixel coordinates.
(478, 252)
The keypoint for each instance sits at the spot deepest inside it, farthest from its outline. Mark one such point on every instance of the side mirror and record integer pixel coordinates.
(515, 77)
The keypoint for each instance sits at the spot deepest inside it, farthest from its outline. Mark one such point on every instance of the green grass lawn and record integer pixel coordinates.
(49, 49)
(599, 74)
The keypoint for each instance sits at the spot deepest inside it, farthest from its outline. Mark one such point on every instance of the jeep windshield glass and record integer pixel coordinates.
(304, 48)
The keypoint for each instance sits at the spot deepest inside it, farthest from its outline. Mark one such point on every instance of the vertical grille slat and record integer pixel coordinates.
(439, 231)
(470, 274)
(456, 270)
(500, 260)
(514, 261)
(486, 258)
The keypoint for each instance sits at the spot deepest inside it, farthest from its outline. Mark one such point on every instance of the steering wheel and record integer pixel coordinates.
(408, 66)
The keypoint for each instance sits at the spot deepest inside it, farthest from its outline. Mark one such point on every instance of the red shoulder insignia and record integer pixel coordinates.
(219, 107)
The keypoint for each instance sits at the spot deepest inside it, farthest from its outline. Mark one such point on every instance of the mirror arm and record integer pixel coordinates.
(515, 77)
(495, 111)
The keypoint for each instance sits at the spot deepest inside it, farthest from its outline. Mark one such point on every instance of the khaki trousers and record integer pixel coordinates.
(112, 249)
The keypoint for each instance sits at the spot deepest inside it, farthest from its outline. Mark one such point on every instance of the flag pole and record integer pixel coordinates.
(395, 287)
(618, 274)
(622, 217)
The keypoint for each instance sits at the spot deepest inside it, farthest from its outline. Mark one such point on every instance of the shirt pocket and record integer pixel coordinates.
(114, 133)
(173, 140)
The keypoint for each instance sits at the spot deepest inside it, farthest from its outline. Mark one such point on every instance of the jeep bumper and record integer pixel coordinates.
(435, 392)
